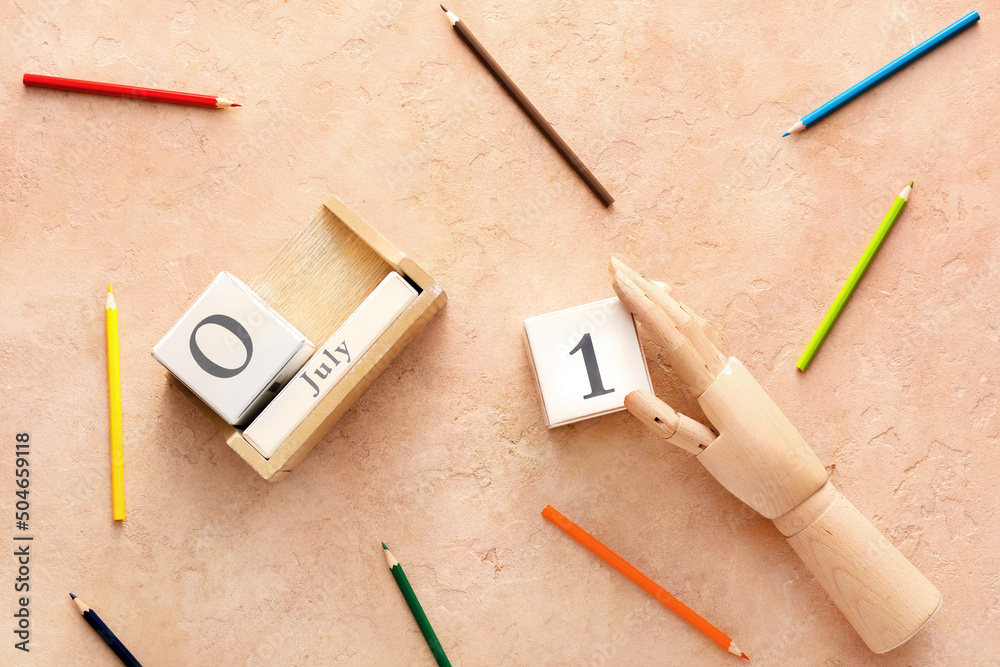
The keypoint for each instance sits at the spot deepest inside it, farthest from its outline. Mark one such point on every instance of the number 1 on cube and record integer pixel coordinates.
(586, 347)
(602, 335)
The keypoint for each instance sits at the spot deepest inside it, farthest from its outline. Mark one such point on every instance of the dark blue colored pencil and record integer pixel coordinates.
(104, 632)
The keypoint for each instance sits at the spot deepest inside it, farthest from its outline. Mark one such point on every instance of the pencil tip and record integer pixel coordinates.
(744, 656)
(109, 288)
(911, 184)
(786, 134)
(442, 8)
(72, 596)
(235, 105)
(390, 560)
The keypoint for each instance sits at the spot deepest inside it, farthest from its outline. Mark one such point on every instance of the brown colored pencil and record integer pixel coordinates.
(647, 584)
(528, 108)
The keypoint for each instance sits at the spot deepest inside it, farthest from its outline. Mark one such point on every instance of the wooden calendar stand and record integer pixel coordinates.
(320, 276)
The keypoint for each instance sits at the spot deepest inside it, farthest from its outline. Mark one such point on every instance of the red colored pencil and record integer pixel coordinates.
(620, 564)
(134, 92)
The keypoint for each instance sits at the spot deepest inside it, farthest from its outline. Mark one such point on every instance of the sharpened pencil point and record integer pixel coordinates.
(451, 17)
(798, 127)
(442, 8)
(80, 604)
(744, 656)
(235, 105)
(389, 558)
(911, 184)
(109, 288)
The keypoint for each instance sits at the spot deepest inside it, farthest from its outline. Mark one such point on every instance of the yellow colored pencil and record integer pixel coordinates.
(115, 410)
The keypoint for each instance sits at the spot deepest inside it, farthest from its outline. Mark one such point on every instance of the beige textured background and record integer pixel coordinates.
(678, 107)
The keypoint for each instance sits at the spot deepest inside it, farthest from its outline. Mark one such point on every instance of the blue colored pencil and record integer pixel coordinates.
(884, 73)
(104, 632)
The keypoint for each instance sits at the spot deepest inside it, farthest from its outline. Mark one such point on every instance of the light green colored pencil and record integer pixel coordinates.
(854, 279)
(415, 608)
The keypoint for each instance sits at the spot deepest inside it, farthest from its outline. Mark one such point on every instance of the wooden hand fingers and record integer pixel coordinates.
(688, 322)
(658, 318)
(664, 421)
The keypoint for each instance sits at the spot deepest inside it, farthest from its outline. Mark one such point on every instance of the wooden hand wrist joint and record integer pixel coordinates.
(762, 460)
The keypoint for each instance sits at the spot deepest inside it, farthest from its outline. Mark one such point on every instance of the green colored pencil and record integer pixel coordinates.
(854, 279)
(415, 608)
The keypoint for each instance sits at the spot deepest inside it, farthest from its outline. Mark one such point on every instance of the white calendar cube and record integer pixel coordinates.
(232, 350)
(585, 360)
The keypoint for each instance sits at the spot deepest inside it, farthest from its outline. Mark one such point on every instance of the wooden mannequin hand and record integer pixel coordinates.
(759, 456)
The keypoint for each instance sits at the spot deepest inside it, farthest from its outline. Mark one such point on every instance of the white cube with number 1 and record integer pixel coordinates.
(585, 360)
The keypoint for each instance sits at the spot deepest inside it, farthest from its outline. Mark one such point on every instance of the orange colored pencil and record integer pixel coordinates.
(620, 564)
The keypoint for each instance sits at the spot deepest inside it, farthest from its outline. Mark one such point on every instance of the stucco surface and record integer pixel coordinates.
(678, 107)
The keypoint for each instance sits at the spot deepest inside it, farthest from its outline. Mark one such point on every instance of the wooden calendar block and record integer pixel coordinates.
(585, 360)
(316, 281)
(232, 350)
(329, 364)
